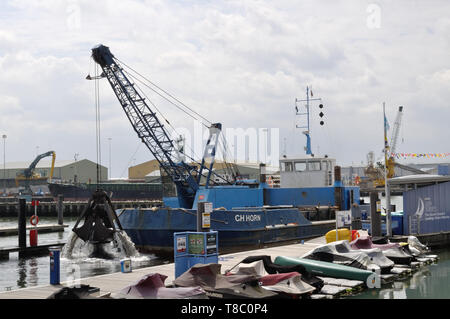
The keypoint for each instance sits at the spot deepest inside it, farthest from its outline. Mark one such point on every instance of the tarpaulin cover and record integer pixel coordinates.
(340, 252)
(416, 247)
(255, 268)
(208, 277)
(392, 251)
(81, 292)
(290, 283)
(152, 286)
(377, 256)
(398, 255)
(263, 265)
(366, 243)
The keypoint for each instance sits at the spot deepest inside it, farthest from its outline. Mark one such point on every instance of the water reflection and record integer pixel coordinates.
(22, 273)
(33, 273)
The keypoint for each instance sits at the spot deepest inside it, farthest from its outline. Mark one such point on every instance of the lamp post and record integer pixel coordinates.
(4, 163)
(265, 130)
(109, 139)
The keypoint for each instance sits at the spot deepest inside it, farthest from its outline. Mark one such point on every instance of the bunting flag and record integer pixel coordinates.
(420, 155)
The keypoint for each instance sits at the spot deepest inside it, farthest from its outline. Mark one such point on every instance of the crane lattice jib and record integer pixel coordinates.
(396, 130)
(145, 122)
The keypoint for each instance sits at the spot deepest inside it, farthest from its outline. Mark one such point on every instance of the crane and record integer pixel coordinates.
(375, 174)
(151, 130)
(28, 174)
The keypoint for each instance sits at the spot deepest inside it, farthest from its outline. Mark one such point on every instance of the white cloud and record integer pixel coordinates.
(241, 63)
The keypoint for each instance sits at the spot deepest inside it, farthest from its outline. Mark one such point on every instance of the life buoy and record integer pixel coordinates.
(355, 234)
(34, 220)
(357, 180)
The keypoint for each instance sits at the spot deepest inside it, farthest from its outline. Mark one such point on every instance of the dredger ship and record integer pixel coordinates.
(245, 213)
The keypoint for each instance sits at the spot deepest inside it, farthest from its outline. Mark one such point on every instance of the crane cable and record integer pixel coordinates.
(171, 102)
(167, 93)
(97, 124)
(143, 83)
(167, 121)
(225, 146)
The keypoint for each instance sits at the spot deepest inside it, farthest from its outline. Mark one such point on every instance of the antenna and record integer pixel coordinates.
(307, 127)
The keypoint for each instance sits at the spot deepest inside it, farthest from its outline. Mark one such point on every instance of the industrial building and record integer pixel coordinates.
(81, 171)
(149, 171)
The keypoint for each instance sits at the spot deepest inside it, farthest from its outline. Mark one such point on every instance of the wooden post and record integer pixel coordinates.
(375, 217)
(22, 227)
(60, 210)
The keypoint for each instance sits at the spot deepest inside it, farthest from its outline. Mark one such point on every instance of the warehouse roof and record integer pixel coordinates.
(418, 179)
(41, 164)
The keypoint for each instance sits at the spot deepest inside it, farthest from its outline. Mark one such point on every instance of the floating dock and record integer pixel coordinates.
(111, 283)
(42, 229)
(28, 251)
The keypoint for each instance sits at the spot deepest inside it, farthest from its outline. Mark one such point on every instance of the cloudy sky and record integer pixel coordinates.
(241, 63)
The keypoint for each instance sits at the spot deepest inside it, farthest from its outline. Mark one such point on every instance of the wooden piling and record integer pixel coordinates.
(375, 217)
(22, 227)
(60, 209)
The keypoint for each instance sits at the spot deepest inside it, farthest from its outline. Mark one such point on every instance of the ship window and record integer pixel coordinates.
(286, 166)
(314, 166)
(300, 167)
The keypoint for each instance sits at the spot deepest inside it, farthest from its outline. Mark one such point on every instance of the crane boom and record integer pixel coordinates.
(148, 127)
(396, 130)
(28, 172)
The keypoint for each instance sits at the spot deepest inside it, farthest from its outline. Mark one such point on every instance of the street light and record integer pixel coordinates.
(266, 130)
(4, 164)
(109, 139)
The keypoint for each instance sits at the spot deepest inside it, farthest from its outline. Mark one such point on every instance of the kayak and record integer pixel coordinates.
(326, 269)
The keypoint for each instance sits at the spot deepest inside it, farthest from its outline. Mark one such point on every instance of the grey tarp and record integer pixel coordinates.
(289, 283)
(340, 252)
(416, 247)
(392, 251)
(377, 257)
(208, 277)
(268, 267)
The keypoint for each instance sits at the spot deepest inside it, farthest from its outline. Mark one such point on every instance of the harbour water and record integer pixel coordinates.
(430, 282)
(35, 271)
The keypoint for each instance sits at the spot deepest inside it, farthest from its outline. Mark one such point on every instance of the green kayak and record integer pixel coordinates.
(326, 269)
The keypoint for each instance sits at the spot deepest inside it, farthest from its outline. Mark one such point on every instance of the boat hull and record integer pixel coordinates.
(152, 229)
(118, 191)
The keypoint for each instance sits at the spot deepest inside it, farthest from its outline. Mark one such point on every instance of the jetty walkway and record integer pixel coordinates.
(110, 283)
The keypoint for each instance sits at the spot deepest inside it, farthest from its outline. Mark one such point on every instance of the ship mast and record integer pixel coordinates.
(307, 127)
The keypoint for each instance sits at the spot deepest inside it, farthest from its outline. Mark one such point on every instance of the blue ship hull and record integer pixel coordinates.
(244, 217)
(152, 230)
